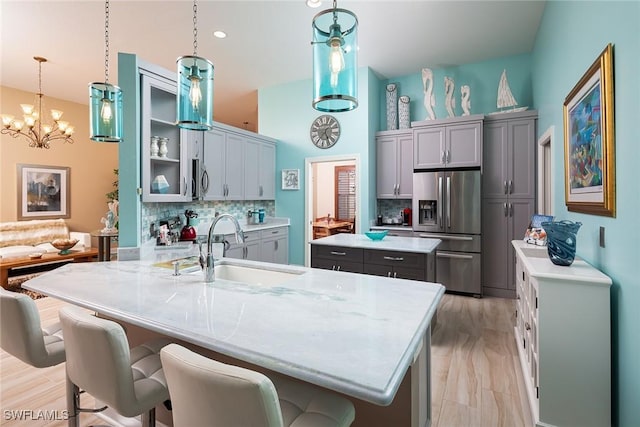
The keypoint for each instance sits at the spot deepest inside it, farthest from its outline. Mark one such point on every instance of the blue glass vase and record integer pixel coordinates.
(561, 241)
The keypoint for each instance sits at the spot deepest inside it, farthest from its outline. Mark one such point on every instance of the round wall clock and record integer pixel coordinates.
(325, 131)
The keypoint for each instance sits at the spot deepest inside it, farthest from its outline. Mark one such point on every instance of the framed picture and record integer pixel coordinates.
(589, 152)
(43, 192)
(290, 179)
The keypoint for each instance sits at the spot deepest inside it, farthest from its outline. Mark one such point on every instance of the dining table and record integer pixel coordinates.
(325, 228)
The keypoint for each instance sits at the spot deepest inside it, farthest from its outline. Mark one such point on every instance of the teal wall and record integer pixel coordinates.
(482, 78)
(285, 113)
(570, 38)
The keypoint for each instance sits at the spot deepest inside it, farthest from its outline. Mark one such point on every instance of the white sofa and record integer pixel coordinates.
(21, 238)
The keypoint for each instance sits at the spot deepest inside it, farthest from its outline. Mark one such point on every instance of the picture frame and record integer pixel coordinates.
(290, 179)
(589, 140)
(43, 192)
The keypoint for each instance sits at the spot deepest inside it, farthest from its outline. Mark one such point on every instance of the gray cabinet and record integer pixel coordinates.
(259, 170)
(509, 157)
(173, 167)
(401, 265)
(508, 195)
(274, 245)
(448, 143)
(394, 164)
(223, 166)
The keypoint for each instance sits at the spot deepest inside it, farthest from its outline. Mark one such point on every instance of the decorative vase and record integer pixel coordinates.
(154, 146)
(163, 150)
(404, 119)
(392, 106)
(160, 185)
(561, 241)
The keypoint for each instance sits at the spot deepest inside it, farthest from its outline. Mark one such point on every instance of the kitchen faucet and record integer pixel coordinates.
(209, 272)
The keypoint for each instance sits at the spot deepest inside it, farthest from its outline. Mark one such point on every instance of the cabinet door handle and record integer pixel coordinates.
(510, 187)
(395, 275)
(506, 209)
(393, 258)
(506, 186)
(338, 253)
(443, 157)
(261, 192)
(276, 245)
(388, 274)
(448, 156)
(338, 269)
(333, 268)
(510, 209)
(205, 181)
(184, 182)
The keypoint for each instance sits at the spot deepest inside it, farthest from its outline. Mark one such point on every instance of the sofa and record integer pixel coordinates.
(20, 239)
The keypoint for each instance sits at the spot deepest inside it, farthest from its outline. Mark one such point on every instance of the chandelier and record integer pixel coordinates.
(38, 133)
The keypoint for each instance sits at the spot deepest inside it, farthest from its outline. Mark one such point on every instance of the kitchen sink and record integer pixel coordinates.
(252, 276)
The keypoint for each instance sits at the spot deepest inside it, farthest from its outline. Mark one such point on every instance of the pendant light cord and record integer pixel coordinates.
(106, 41)
(195, 28)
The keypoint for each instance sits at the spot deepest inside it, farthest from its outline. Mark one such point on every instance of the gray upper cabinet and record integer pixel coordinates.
(394, 164)
(259, 170)
(448, 143)
(509, 156)
(172, 168)
(223, 166)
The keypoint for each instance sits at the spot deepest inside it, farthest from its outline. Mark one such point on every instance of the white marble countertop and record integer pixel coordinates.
(389, 243)
(227, 227)
(353, 333)
(538, 264)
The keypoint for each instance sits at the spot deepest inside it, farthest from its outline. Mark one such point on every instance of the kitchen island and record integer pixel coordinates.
(364, 336)
(393, 256)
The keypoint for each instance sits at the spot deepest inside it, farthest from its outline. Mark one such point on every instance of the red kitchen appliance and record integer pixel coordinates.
(406, 216)
(188, 232)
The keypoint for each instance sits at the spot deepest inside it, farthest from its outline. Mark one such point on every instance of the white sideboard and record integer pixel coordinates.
(563, 335)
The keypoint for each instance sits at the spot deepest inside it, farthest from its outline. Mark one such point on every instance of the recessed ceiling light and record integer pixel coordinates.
(314, 3)
(220, 34)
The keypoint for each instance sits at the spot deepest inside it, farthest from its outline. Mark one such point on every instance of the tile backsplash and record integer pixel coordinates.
(206, 210)
(392, 207)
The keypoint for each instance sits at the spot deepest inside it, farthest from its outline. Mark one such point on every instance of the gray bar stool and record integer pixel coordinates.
(99, 361)
(22, 336)
(205, 392)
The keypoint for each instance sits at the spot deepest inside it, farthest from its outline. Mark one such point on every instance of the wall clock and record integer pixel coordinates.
(325, 131)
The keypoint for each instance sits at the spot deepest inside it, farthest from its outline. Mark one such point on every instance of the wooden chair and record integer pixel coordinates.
(351, 228)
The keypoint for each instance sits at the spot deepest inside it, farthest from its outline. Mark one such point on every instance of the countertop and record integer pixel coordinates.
(352, 333)
(538, 264)
(226, 227)
(389, 243)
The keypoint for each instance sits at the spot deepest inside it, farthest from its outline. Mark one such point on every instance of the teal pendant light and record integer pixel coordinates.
(105, 100)
(195, 87)
(335, 60)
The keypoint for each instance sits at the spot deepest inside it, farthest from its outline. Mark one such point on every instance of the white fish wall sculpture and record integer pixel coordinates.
(429, 98)
(449, 100)
(465, 100)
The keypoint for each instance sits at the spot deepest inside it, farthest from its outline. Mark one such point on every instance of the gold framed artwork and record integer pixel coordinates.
(589, 141)
(43, 192)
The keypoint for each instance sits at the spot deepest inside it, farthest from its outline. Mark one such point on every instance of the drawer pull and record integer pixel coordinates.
(338, 253)
(393, 258)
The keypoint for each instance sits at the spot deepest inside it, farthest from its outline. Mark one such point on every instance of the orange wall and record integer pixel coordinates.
(91, 163)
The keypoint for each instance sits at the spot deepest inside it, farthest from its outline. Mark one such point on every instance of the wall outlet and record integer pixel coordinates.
(128, 254)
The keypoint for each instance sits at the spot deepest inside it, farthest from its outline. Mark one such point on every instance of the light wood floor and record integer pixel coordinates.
(476, 379)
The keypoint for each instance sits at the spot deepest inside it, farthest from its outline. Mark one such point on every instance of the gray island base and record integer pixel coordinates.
(366, 337)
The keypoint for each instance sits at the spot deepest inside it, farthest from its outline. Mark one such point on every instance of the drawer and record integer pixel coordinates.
(341, 253)
(394, 258)
(274, 232)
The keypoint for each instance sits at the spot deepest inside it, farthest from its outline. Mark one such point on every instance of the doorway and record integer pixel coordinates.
(545, 173)
(332, 185)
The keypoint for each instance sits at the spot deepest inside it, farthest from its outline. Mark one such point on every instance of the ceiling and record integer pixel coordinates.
(268, 42)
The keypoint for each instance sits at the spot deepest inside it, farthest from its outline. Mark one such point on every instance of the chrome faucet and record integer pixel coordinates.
(209, 272)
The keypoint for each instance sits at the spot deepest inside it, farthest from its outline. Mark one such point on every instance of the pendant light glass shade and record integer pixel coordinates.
(195, 93)
(105, 112)
(335, 60)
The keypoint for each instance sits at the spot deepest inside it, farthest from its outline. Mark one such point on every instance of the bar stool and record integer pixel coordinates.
(205, 392)
(22, 336)
(100, 362)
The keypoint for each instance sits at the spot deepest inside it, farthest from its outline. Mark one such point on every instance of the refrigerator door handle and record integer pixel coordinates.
(450, 255)
(440, 207)
(448, 202)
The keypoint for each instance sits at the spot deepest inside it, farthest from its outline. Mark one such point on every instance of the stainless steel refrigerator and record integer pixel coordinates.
(447, 206)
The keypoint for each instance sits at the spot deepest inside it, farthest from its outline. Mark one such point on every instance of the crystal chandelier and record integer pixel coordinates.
(32, 127)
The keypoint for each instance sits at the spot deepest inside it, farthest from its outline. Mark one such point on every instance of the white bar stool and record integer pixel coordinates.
(205, 392)
(100, 362)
